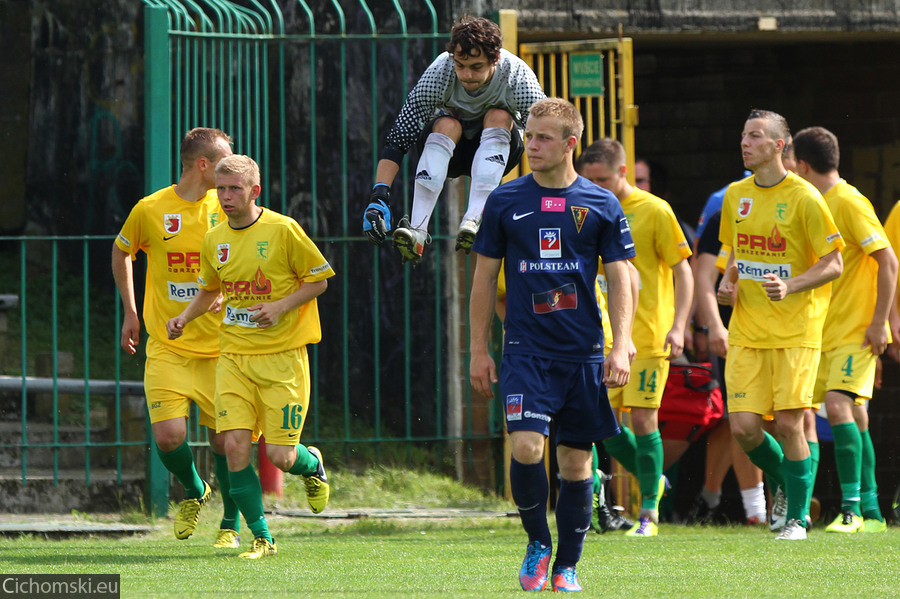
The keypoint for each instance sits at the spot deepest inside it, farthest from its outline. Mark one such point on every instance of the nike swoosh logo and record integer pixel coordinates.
(181, 532)
(218, 268)
(518, 216)
(739, 221)
(168, 238)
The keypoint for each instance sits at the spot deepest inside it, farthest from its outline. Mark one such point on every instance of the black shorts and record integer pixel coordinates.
(461, 161)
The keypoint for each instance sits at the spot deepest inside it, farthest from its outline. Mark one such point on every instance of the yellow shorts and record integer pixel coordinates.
(645, 387)
(848, 368)
(172, 382)
(764, 381)
(265, 391)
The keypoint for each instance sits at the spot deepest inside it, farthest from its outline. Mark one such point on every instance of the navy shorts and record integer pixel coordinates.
(537, 390)
(461, 161)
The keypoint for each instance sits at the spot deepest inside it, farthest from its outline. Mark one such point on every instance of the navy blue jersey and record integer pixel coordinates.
(551, 240)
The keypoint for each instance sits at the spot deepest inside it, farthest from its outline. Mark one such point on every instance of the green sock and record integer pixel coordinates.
(848, 459)
(768, 457)
(796, 488)
(595, 464)
(247, 494)
(623, 448)
(306, 463)
(868, 486)
(649, 468)
(814, 452)
(181, 464)
(231, 516)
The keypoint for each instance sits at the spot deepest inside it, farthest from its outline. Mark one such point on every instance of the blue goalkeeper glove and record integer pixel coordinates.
(377, 219)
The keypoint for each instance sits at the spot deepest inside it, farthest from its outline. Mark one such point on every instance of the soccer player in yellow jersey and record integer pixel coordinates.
(785, 249)
(168, 226)
(660, 321)
(856, 330)
(270, 274)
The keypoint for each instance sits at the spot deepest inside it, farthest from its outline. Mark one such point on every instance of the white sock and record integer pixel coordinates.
(488, 165)
(754, 500)
(712, 499)
(431, 172)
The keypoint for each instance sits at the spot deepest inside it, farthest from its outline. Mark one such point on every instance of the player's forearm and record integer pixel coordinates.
(123, 276)
(828, 268)
(386, 171)
(684, 294)
(482, 303)
(621, 312)
(886, 283)
(200, 304)
(303, 295)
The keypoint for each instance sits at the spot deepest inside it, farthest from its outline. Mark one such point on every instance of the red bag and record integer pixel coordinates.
(691, 403)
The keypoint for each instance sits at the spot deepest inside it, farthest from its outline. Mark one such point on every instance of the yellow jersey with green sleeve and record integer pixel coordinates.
(784, 230)
(170, 230)
(854, 293)
(659, 244)
(262, 263)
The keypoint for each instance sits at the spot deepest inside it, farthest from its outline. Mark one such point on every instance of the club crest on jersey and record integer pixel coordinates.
(551, 244)
(561, 298)
(223, 252)
(744, 206)
(514, 407)
(579, 214)
(553, 204)
(172, 223)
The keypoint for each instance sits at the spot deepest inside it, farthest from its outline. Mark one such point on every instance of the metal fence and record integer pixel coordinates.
(309, 91)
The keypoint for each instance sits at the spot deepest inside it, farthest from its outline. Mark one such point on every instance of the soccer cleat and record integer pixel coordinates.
(410, 242)
(565, 580)
(188, 514)
(227, 539)
(261, 548)
(465, 236)
(533, 574)
(644, 528)
(317, 488)
(874, 525)
(700, 512)
(846, 522)
(793, 531)
(779, 510)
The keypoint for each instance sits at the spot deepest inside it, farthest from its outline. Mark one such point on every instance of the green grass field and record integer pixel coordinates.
(462, 557)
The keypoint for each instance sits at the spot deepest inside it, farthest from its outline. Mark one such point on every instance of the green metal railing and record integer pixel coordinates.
(310, 95)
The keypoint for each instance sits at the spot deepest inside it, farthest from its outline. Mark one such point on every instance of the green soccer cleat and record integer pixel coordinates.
(465, 237)
(188, 514)
(317, 489)
(644, 528)
(261, 548)
(227, 539)
(846, 522)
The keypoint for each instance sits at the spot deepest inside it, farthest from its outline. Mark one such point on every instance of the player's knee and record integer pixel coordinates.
(448, 126)
(498, 117)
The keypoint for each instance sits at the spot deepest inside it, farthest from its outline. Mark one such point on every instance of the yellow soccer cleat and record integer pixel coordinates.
(188, 514)
(644, 528)
(846, 522)
(317, 489)
(874, 525)
(261, 548)
(227, 539)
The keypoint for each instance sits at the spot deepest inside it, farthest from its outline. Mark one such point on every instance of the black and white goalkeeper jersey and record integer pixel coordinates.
(513, 87)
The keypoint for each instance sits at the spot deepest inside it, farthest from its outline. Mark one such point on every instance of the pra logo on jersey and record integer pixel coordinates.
(514, 407)
(561, 298)
(756, 271)
(549, 266)
(775, 243)
(183, 262)
(551, 245)
(172, 223)
(259, 286)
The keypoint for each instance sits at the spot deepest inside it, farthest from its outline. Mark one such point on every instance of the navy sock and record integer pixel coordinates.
(573, 519)
(530, 490)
